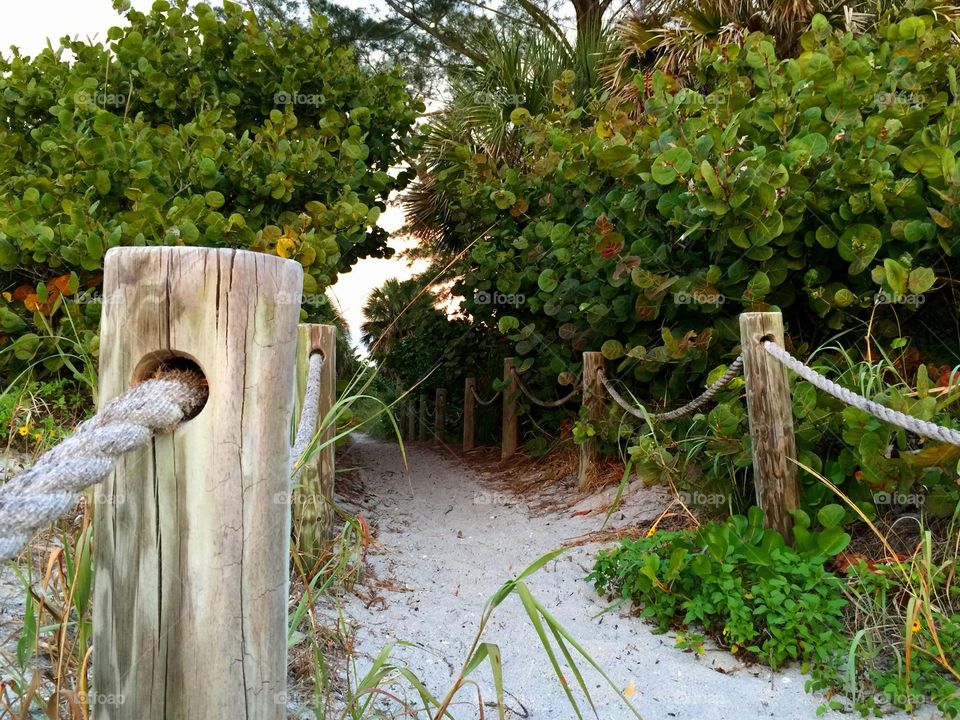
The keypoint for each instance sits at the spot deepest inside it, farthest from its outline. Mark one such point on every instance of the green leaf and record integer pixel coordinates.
(859, 245)
(921, 279)
(547, 281)
(896, 275)
(671, 164)
(507, 323)
(831, 515)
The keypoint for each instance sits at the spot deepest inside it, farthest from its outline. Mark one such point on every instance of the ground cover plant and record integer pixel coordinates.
(883, 633)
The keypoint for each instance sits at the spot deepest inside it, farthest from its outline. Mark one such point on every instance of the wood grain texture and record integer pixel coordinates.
(440, 415)
(192, 533)
(313, 499)
(469, 413)
(508, 434)
(771, 421)
(595, 399)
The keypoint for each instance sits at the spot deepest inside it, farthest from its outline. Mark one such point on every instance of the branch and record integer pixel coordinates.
(438, 34)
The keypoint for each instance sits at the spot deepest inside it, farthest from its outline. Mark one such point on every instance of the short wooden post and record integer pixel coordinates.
(508, 435)
(469, 411)
(313, 498)
(192, 534)
(771, 421)
(440, 414)
(595, 400)
(423, 416)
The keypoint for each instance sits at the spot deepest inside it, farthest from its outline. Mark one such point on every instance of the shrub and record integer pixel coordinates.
(825, 186)
(188, 128)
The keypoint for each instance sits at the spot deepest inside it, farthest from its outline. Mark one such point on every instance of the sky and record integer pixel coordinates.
(29, 24)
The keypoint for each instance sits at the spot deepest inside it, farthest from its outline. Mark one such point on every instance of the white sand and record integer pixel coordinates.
(442, 540)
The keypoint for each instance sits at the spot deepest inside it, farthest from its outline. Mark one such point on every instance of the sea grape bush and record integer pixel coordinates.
(188, 127)
(741, 583)
(824, 185)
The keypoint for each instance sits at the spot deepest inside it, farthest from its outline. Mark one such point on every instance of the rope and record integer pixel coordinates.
(309, 414)
(537, 401)
(683, 410)
(882, 412)
(484, 402)
(40, 495)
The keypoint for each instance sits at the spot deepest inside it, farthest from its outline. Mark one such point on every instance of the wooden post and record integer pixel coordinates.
(423, 416)
(440, 414)
(192, 533)
(595, 399)
(771, 421)
(313, 498)
(508, 441)
(410, 418)
(469, 410)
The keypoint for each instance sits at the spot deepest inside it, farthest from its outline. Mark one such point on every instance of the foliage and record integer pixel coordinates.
(824, 186)
(672, 35)
(186, 128)
(36, 415)
(393, 311)
(741, 583)
(438, 39)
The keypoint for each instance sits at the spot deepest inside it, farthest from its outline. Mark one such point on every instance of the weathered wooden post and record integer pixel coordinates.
(595, 399)
(423, 416)
(313, 498)
(192, 535)
(410, 419)
(508, 435)
(440, 414)
(469, 410)
(771, 421)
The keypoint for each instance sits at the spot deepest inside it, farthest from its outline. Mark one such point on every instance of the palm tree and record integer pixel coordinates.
(671, 35)
(392, 312)
(522, 67)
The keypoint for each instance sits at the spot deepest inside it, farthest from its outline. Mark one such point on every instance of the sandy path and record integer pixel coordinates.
(444, 541)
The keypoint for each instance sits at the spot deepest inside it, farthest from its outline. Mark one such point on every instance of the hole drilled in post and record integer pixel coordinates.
(172, 364)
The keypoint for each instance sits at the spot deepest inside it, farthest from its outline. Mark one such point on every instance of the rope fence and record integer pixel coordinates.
(641, 412)
(537, 401)
(901, 420)
(484, 402)
(43, 493)
(309, 414)
(234, 459)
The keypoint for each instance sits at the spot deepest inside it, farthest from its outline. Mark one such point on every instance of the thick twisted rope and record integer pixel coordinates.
(537, 401)
(40, 495)
(640, 412)
(882, 412)
(307, 426)
(484, 402)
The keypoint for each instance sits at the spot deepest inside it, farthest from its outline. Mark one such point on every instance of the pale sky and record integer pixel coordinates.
(29, 24)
